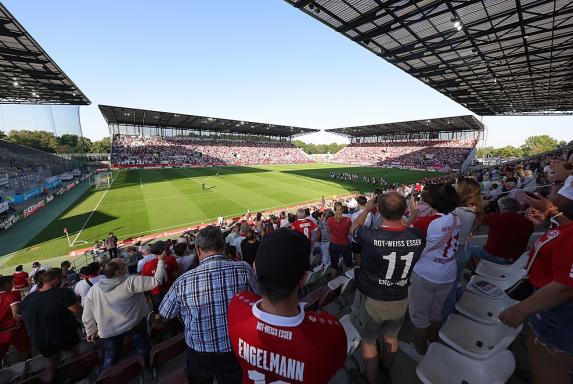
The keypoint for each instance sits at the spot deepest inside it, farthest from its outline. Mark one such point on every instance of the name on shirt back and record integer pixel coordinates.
(287, 335)
(272, 362)
(397, 243)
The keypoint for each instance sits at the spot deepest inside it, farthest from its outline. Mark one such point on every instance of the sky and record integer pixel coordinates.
(254, 60)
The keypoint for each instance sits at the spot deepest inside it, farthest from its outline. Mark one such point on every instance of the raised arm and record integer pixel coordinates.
(140, 284)
(361, 219)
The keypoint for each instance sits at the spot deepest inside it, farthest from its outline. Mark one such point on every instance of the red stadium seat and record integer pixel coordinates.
(179, 377)
(165, 351)
(78, 368)
(122, 372)
(160, 331)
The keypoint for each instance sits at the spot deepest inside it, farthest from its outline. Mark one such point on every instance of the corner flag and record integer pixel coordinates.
(67, 236)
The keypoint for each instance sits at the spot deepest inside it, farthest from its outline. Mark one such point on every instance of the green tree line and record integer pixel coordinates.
(48, 142)
(533, 145)
(313, 149)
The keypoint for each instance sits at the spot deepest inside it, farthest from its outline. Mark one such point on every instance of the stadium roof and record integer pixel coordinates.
(495, 57)
(27, 73)
(443, 124)
(148, 118)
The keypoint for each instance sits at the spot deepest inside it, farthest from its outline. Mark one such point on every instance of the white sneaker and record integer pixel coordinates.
(409, 350)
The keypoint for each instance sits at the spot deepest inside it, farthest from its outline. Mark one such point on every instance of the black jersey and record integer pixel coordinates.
(388, 257)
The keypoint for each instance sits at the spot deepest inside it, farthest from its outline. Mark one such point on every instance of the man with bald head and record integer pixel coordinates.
(304, 225)
(389, 253)
(115, 308)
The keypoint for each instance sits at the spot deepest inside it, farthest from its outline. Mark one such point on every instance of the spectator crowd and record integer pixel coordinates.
(155, 150)
(421, 154)
(243, 295)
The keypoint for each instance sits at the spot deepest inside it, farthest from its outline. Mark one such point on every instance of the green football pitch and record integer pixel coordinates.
(144, 202)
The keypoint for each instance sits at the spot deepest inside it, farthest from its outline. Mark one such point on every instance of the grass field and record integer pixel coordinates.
(141, 202)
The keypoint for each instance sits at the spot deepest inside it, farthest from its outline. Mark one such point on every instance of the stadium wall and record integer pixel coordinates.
(28, 211)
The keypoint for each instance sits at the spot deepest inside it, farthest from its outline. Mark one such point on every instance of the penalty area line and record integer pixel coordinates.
(92, 212)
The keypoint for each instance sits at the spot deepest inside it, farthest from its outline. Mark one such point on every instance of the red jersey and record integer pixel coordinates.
(307, 348)
(7, 300)
(423, 223)
(171, 268)
(339, 230)
(555, 259)
(20, 279)
(304, 226)
(508, 234)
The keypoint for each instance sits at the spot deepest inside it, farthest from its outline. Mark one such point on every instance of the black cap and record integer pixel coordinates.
(158, 247)
(282, 258)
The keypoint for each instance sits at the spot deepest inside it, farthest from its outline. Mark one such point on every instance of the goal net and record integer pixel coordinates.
(102, 180)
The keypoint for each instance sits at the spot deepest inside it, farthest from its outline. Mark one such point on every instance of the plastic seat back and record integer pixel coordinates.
(476, 340)
(167, 350)
(78, 368)
(352, 336)
(329, 296)
(179, 377)
(122, 372)
(443, 365)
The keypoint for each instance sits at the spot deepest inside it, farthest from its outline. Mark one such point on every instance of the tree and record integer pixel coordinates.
(509, 151)
(101, 146)
(3, 136)
(84, 145)
(41, 140)
(539, 144)
(484, 152)
(312, 149)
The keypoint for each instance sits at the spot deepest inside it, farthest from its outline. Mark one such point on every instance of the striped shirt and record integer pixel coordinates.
(324, 231)
(201, 298)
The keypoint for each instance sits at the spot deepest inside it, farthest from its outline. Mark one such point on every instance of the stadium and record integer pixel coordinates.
(183, 248)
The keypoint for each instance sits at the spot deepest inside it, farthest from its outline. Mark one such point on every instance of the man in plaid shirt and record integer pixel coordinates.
(201, 298)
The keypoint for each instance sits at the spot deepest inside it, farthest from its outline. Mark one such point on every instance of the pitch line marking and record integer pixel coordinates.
(95, 209)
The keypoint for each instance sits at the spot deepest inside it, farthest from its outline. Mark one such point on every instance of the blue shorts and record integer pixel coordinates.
(336, 251)
(553, 326)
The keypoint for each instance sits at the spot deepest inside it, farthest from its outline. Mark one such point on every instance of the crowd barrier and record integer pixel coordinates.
(19, 198)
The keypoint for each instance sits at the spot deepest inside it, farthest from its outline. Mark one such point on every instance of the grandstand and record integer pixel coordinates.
(34, 92)
(144, 138)
(444, 144)
(506, 58)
